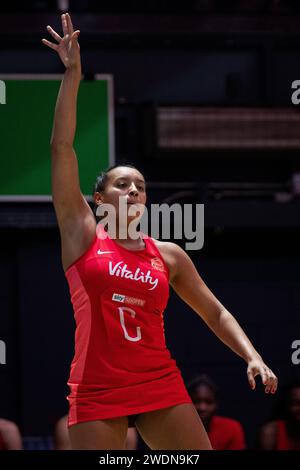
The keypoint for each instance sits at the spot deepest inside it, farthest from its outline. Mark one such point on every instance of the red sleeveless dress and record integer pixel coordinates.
(121, 364)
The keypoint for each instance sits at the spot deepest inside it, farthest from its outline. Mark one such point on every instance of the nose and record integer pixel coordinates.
(133, 190)
(202, 407)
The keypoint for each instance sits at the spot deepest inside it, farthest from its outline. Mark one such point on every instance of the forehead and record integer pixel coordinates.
(125, 172)
(204, 392)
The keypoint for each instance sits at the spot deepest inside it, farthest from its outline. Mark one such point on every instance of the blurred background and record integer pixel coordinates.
(202, 101)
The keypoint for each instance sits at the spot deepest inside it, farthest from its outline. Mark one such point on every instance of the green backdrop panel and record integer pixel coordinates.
(25, 130)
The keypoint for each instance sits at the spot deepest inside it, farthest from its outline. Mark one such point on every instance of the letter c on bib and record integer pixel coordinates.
(122, 320)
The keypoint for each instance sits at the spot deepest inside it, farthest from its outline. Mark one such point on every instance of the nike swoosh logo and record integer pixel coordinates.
(99, 252)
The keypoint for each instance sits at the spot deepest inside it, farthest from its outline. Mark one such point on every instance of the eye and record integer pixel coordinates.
(121, 184)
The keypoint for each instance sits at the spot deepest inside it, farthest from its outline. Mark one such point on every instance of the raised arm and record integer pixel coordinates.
(191, 288)
(75, 218)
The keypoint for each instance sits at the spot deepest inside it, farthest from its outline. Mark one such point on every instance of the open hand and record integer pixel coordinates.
(269, 379)
(67, 48)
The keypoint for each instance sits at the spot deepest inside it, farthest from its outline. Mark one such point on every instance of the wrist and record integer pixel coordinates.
(74, 69)
(253, 357)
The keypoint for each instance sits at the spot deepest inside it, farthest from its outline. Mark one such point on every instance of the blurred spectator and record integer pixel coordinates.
(224, 433)
(10, 436)
(283, 432)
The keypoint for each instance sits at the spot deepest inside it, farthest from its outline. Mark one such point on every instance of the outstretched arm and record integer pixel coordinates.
(68, 50)
(191, 288)
(75, 218)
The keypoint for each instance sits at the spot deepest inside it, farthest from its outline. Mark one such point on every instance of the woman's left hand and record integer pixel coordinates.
(258, 367)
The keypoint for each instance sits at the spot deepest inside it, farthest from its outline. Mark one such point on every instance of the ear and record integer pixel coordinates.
(98, 198)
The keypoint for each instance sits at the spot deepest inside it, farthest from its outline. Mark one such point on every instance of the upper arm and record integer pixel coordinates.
(70, 205)
(191, 288)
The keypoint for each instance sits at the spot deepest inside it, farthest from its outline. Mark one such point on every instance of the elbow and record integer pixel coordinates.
(216, 319)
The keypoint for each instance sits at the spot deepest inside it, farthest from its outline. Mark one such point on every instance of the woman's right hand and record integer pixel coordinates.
(67, 48)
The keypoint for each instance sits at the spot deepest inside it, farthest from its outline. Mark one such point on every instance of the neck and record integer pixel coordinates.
(123, 237)
(127, 234)
(131, 244)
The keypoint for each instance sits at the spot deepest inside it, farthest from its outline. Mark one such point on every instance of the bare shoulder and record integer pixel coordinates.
(172, 254)
(168, 247)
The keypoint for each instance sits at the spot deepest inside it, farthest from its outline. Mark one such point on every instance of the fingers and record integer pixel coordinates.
(68, 31)
(268, 378)
(50, 44)
(54, 34)
(251, 379)
(263, 372)
(75, 35)
(271, 382)
(275, 384)
(69, 24)
(64, 24)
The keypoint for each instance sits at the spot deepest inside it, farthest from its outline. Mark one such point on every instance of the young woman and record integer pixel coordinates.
(122, 371)
(224, 433)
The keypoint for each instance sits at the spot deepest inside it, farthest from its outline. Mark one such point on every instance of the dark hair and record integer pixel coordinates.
(101, 180)
(204, 380)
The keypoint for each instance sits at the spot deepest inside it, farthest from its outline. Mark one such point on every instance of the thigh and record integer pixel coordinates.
(106, 434)
(177, 427)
